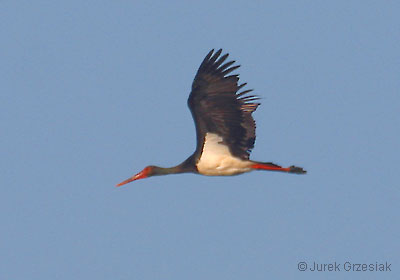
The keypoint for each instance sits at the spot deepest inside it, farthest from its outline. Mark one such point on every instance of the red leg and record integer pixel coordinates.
(274, 167)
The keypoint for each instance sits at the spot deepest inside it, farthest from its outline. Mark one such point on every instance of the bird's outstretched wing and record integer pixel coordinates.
(218, 107)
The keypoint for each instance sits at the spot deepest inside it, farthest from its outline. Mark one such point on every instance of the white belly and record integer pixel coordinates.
(216, 159)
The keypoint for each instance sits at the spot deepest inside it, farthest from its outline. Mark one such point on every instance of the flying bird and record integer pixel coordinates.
(225, 128)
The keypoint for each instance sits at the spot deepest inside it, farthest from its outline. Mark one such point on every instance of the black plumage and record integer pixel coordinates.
(218, 106)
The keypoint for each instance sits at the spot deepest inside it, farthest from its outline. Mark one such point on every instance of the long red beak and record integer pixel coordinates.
(138, 176)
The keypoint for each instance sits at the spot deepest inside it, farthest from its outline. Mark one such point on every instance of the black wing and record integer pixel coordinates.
(218, 107)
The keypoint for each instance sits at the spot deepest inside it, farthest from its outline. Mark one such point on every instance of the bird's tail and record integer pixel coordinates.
(274, 167)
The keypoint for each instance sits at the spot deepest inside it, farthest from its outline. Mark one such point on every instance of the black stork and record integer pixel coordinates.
(225, 127)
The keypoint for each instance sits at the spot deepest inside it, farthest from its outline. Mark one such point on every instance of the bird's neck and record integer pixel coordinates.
(187, 166)
(167, 170)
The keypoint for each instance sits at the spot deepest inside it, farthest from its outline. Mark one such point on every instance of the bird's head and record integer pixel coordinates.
(146, 172)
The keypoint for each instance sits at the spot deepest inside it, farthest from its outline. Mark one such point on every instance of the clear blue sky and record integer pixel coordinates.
(93, 91)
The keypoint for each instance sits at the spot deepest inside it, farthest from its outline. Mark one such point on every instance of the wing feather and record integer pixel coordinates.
(218, 107)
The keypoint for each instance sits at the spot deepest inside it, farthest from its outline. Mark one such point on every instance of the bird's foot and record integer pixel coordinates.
(297, 170)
